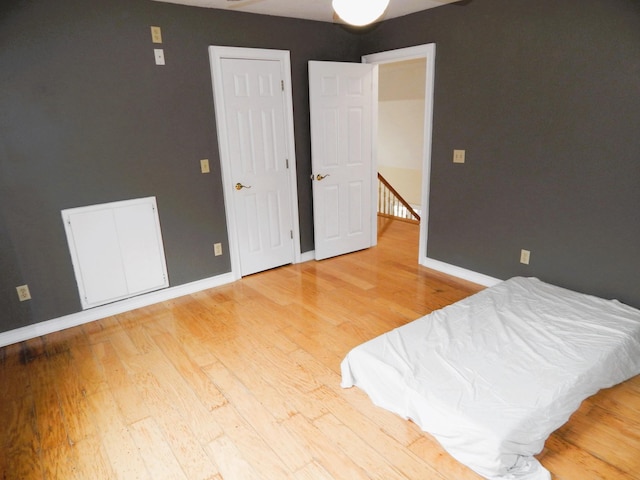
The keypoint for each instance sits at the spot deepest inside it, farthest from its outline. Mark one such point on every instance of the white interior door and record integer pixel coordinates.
(342, 101)
(256, 143)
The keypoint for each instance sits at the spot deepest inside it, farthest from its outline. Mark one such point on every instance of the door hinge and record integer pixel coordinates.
(291, 232)
(287, 162)
(282, 85)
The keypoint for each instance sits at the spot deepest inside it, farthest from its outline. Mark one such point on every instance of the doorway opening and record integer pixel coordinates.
(401, 87)
(405, 113)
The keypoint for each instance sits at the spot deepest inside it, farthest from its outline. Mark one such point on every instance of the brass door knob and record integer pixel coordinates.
(240, 186)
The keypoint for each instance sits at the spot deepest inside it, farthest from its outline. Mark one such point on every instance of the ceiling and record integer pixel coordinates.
(320, 10)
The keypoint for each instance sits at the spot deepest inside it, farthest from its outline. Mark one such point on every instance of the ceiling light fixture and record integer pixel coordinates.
(360, 12)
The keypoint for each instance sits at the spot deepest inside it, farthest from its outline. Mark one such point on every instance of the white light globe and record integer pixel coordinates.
(359, 12)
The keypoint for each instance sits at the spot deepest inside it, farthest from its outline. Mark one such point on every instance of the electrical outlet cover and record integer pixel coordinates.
(23, 293)
(158, 53)
(156, 34)
(458, 156)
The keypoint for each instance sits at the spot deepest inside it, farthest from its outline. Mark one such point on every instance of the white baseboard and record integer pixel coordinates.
(460, 272)
(86, 316)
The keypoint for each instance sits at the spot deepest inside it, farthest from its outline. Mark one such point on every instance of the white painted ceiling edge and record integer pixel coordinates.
(319, 10)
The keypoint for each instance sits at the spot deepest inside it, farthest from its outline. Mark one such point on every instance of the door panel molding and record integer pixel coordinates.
(216, 56)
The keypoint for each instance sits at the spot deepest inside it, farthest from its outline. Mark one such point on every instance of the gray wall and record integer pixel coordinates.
(545, 97)
(86, 117)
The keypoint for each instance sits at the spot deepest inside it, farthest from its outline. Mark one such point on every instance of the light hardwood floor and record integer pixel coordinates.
(242, 382)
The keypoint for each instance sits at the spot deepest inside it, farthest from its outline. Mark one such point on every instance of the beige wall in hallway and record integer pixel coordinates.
(401, 126)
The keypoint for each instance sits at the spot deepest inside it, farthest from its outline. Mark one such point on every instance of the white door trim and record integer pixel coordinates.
(427, 52)
(216, 54)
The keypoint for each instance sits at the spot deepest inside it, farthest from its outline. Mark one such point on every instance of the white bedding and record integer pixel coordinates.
(492, 376)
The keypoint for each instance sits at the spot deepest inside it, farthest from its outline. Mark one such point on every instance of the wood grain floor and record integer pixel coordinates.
(242, 382)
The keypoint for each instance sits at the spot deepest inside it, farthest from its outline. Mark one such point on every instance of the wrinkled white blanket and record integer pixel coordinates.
(492, 376)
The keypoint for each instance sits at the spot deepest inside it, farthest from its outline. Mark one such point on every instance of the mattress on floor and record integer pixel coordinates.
(492, 376)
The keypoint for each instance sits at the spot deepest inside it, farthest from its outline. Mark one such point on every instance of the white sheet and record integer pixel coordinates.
(492, 376)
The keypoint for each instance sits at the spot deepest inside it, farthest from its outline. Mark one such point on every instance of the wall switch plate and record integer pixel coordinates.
(524, 256)
(23, 293)
(458, 156)
(158, 53)
(156, 35)
(204, 165)
(217, 249)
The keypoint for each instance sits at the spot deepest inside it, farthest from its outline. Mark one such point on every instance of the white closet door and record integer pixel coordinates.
(256, 137)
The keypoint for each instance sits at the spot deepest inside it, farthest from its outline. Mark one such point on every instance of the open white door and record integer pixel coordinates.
(342, 100)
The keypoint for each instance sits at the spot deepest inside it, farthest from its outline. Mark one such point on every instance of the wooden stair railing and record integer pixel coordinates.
(392, 205)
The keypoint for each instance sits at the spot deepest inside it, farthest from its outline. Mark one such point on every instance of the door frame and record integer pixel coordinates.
(428, 52)
(216, 54)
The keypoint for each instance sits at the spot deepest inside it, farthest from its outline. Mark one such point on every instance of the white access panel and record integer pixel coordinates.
(116, 249)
